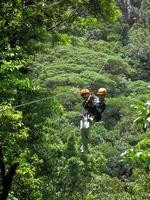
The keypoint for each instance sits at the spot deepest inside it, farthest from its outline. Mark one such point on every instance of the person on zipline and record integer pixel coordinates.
(93, 104)
(101, 94)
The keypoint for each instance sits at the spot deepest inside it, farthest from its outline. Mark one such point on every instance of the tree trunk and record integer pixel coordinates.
(6, 178)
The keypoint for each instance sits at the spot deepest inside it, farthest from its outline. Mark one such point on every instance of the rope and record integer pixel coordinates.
(107, 60)
(31, 102)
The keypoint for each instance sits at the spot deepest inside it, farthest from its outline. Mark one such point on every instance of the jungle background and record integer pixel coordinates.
(48, 51)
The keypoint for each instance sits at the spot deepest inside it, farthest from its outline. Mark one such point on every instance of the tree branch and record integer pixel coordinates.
(2, 165)
(67, 20)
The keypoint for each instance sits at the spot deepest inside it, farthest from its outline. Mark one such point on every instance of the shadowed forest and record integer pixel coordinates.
(49, 50)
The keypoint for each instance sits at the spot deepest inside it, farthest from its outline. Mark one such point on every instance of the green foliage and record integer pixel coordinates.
(106, 187)
(138, 50)
(140, 187)
(43, 82)
(143, 115)
(13, 137)
(74, 66)
(63, 71)
(26, 183)
(16, 132)
(31, 18)
(139, 155)
(96, 8)
(140, 89)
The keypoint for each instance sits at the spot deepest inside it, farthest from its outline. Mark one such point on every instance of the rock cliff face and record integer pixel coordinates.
(130, 9)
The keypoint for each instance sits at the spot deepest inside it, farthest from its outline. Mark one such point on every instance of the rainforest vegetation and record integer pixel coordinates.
(49, 50)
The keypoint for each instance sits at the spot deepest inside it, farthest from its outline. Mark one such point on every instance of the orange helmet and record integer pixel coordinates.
(84, 91)
(102, 92)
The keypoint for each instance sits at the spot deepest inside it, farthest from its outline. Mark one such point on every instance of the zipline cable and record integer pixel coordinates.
(107, 60)
(32, 102)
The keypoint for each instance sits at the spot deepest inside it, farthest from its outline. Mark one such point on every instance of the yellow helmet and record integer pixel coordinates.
(84, 91)
(102, 91)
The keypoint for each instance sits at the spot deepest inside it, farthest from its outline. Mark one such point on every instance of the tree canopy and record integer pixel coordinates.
(49, 50)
